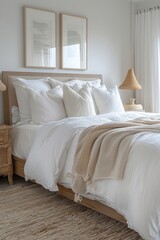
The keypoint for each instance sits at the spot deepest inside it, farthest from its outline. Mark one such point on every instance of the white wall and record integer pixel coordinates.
(108, 36)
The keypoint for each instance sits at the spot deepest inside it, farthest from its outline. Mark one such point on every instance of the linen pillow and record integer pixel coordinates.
(46, 106)
(78, 104)
(76, 87)
(54, 83)
(82, 83)
(79, 83)
(107, 100)
(22, 95)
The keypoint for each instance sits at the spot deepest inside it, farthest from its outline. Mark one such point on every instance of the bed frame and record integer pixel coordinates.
(9, 100)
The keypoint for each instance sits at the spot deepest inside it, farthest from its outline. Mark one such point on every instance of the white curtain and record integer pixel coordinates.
(147, 58)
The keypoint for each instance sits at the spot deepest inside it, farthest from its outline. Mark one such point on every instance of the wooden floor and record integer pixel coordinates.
(4, 181)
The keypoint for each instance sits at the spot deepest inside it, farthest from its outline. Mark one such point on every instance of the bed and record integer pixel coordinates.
(144, 148)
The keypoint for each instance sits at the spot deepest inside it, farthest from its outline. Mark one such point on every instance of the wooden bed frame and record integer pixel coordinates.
(10, 100)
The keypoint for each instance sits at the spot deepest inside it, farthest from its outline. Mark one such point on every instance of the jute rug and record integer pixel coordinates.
(29, 212)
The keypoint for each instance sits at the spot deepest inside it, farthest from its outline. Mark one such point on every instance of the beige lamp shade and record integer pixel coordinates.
(2, 86)
(130, 81)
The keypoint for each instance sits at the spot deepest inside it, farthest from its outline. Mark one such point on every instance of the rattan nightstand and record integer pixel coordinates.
(6, 165)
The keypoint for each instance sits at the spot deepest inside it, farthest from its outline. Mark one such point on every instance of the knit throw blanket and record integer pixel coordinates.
(102, 151)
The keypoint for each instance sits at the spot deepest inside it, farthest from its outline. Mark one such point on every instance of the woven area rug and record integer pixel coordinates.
(28, 211)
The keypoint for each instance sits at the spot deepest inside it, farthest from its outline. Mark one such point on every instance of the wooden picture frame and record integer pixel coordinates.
(40, 38)
(73, 42)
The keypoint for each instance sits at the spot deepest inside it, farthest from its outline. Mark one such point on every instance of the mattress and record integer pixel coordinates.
(22, 139)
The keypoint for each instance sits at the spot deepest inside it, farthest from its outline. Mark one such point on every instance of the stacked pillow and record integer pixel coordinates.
(37, 101)
(46, 106)
(73, 82)
(44, 100)
(23, 98)
(77, 96)
(107, 100)
(78, 103)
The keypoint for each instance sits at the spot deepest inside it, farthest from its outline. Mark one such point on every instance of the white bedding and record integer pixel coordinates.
(22, 139)
(136, 196)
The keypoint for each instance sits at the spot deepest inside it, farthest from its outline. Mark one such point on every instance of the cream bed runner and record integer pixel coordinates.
(102, 151)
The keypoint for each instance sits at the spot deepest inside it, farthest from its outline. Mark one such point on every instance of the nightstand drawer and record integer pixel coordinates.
(4, 137)
(6, 165)
(3, 156)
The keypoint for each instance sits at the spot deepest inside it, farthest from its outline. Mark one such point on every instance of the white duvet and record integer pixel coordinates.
(136, 196)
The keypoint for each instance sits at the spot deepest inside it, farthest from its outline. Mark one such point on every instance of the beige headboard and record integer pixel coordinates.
(9, 96)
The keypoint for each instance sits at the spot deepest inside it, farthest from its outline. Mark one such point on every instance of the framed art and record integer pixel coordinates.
(73, 42)
(39, 38)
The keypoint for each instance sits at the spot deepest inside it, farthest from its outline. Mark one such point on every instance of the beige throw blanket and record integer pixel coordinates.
(102, 150)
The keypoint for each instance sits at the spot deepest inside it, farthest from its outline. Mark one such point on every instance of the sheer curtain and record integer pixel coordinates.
(147, 58)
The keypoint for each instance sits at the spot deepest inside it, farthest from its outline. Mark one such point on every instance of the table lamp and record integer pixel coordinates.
(2, 86)
(131, 83)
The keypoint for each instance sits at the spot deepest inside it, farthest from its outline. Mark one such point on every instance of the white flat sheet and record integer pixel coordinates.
(136, 196)
(22, 139)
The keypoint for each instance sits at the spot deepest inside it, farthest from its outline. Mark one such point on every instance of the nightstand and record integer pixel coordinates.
(6, 165)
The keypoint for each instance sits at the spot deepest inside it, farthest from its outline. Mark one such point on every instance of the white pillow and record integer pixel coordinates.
(22, 95)
(92, 89)
(46, 106)
(39, 84)
(78, 104)
(15, 115)
(54, 83)
(107, 100)
(79, 83)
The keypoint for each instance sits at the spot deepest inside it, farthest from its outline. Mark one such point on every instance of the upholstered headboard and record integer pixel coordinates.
(9, 96)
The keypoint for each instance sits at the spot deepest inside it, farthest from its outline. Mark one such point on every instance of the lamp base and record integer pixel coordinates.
(133, 107)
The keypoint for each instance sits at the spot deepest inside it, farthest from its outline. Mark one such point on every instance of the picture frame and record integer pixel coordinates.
(73, 42)
(40, 38)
